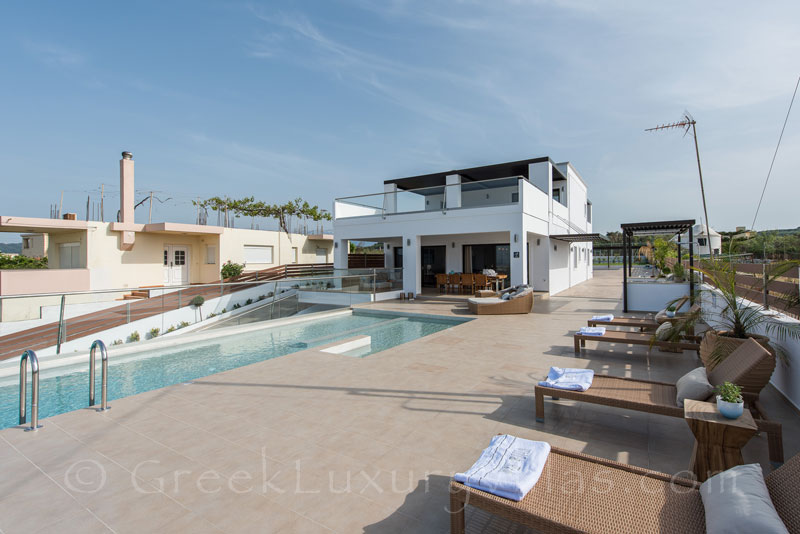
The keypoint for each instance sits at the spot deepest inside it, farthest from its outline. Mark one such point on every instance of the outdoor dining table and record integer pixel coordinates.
(498, 281)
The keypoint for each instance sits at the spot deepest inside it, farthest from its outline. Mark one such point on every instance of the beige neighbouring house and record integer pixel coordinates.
(93, 255)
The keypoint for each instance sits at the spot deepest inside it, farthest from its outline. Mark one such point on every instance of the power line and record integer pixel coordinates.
(753, 226)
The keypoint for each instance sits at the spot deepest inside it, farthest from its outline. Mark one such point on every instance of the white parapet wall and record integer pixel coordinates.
(648, 295)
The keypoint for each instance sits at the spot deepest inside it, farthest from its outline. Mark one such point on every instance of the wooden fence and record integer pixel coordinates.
(286, 271)
(365, 261)
(750, 285)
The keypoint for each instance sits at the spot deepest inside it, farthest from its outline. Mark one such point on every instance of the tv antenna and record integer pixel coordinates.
(688, 123)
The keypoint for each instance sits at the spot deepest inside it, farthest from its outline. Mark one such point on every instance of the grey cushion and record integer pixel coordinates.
(663, 331)
(520, 294)
(693, 385)
(506, 296)
(737, 500)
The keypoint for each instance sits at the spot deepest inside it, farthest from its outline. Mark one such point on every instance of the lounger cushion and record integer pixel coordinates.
(737, 500)
(663, 332)
(693, 385)
(505, 296)
(485, 300)
(520, 294)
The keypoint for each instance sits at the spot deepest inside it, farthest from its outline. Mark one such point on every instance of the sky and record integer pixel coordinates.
(326, 99)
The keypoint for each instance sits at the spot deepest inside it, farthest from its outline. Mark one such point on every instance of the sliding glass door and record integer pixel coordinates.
(480, 257)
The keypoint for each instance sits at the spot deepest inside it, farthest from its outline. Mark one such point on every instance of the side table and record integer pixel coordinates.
(718, 440)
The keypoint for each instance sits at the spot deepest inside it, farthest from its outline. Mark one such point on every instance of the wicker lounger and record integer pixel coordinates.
(660, 397)
(494, 306)
(582, 493)
(634, 338)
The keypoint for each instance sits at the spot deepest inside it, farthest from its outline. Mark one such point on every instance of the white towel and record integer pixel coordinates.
(608, 317)
(509, 467)
(592, 330)
(566, 378)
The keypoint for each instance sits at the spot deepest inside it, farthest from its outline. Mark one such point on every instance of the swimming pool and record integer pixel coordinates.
(66, 389)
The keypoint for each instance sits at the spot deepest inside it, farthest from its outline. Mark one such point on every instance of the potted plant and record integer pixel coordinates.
(730, 402)
(679, 272)
(734, 320)
(671, 311)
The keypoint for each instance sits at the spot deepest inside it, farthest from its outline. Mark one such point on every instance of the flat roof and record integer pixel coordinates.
(39, 225)
(476, 174)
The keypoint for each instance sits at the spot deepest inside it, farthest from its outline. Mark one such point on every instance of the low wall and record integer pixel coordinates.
(652, 296)
(786, 377)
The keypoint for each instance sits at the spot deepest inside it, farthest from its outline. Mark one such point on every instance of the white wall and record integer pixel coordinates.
(343, 208)
(559, 266)
(649, 296)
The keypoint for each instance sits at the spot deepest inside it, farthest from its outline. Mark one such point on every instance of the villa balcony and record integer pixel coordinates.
(442, 198)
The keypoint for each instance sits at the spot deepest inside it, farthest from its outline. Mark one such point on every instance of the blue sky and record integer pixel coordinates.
(324, 99)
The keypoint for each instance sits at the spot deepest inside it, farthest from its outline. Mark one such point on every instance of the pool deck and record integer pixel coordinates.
(318, 442)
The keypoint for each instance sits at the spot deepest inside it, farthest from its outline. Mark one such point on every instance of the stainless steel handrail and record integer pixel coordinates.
(23, 386)
(104, 375)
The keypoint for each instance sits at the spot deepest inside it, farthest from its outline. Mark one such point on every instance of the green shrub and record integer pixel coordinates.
(729, 392)
(198, 301)
(183, 324)
(210, 315)
(261, 297)
(237, 306)
(230, 269)
(117, 342)
(134, 337)
(224, 310)
(248, 302)
(170, 329)
(22, 262)
(154, 332)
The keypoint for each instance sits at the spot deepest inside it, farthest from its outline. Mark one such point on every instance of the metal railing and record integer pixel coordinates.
(443, 198)
(23, 385)
(104, 375)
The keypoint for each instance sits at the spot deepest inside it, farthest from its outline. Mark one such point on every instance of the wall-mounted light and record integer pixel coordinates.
(538, 241)
(408, 242)
(555, 247)
(336, 244)
(515, 238)
(388, 246)
(454, 244)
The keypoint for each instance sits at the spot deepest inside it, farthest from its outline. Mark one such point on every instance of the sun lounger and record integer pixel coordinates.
(660, 397)
(648, 322)
(635, 338)
(582, 493)
(523, 303)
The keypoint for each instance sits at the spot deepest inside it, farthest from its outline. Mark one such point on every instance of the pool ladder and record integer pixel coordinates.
(104, 377)
(27, 356)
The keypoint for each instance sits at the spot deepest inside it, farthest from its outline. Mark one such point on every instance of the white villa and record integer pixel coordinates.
(530, 219)
(703, 245)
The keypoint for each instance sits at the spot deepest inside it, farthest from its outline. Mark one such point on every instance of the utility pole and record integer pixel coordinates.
(686, 123)
(102, 193)
(150, 215)
(60, 205)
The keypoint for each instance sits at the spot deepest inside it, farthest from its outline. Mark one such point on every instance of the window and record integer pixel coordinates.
(514, 197)
(180, 257)
(258, 254)
(166, 257)
(557, 195)
(588, 212)
(211, 254)
(575, 258)
(701, 241)
(69, 256)
(26, 242)
(294, 254)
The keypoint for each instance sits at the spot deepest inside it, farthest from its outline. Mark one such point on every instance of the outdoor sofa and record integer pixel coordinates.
(509, 301)
(660, 397)
(581, 493)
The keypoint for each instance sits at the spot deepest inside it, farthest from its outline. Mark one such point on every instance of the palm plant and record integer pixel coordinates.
(737, 318)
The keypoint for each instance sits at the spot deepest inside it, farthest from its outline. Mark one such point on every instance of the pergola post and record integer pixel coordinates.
(691, 264)
(624, 271)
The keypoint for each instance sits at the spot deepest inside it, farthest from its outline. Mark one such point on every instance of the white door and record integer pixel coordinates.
(322, 255)
(176, 265)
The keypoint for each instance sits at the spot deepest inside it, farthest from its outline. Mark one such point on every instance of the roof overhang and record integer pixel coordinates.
(475, 174)
(40, 225)
(578, 238)
(321, 237)
(167, 228)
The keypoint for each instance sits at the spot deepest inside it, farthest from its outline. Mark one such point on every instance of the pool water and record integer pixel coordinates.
(133, 374)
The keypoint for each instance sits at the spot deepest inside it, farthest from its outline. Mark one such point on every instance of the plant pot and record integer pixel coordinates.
(757, 378)
(670, 314)
(731, 410)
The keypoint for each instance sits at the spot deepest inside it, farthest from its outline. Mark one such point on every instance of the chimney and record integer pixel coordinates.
(126, 199)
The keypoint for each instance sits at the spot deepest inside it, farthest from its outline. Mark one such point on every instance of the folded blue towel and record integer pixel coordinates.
(571, 379)
(608, 317)
(509, 467)
(592, 330)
